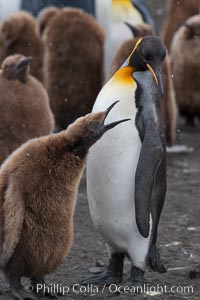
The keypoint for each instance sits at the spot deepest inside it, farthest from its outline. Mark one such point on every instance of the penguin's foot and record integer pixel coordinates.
(20, 294)
(42, 289)
(113, 274)
(155, 264)
(135, 283)
(17, 291)
(133, 286)
(194, 271)
(102, 279)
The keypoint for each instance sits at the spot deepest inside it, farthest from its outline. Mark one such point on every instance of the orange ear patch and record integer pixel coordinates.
(124, 75)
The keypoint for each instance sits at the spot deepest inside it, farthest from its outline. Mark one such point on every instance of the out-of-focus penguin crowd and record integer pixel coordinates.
(99, 149)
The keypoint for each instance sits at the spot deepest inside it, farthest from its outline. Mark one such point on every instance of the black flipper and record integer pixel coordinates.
(145, 11)
(154, 262)
(150, 179)
(149, 162)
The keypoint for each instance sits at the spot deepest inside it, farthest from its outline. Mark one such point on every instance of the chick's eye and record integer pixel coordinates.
(94, 125)
(10, 66)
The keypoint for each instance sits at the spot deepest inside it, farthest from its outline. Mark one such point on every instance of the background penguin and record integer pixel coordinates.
(18, 35)
(111, 14)
(144, 10)
(178, 12)
(36, 5)
(185, 57)
(168, 102)
(25, 111)
(38, 190)
(126, 203)
(73, 64)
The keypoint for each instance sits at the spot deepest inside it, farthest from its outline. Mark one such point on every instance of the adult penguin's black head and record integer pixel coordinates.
(148, 54)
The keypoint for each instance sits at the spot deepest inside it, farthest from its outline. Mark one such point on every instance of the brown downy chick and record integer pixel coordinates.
(185, 57)
(73, 44)
(45, 16)
(25, 111)
(178, 12)
(168, 103)
(38, 191)
(18, 35)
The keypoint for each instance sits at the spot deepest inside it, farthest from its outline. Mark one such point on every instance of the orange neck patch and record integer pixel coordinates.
(124, 75)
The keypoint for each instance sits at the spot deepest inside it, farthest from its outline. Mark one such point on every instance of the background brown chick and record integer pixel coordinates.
(168, 102)
(45, 16)
(178, 12)
(18, 36)
(185, 56)
(38, 190)
(73, 64)
(25, 111)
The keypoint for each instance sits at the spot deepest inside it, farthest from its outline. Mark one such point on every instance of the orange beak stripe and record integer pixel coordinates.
(136, 45)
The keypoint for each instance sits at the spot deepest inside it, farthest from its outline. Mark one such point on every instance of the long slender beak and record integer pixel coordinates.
(113, 124)
(158, 78)
(23, 63)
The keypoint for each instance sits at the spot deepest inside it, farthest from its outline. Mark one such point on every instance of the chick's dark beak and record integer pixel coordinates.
(156, 72)
(113, 124)
(24, 63)
(134, 29)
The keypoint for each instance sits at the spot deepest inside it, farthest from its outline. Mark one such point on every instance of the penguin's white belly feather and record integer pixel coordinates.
(111, 168)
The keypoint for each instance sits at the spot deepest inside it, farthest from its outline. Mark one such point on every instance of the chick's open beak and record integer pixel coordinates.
(23, 63)
(156, 72)
(113, 124)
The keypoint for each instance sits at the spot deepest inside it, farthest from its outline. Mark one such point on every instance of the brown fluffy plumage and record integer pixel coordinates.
(185, 57)
(73, 63)
(38, 190)
(178, 12)
(25, 111)
(168, 103)
(19, 36)
(45, 16)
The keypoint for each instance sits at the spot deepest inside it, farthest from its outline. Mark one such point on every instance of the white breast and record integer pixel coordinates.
(111, 168)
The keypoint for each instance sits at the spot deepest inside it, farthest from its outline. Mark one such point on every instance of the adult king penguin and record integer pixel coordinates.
(111, 14)
(126, 171)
